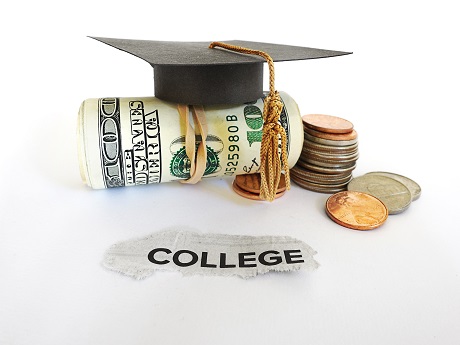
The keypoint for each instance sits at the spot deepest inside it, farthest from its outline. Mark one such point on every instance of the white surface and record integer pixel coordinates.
(396, 285)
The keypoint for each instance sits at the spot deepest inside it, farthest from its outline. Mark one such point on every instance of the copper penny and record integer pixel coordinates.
(340, 137)
(327, 123)
(248, 195)
(251, 183)
(356, 210)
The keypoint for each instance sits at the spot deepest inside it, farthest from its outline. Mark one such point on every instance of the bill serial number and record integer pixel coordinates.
(233, 139)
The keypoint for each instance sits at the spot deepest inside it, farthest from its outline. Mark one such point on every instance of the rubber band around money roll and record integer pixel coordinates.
(198, 161)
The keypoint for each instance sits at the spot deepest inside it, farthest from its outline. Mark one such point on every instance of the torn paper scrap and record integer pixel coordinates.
(209, 254)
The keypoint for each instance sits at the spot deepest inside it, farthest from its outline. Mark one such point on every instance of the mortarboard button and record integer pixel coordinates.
(192, 73)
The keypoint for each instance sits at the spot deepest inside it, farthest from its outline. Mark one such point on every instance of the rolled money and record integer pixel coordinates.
(141, 140)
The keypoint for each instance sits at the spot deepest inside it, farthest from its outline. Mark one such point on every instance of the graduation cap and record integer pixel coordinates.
(192, 73)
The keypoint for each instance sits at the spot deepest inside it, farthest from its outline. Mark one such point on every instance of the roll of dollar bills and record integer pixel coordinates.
(141, 140)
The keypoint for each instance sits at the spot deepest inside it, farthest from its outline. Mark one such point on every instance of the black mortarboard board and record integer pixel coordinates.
(192, 73)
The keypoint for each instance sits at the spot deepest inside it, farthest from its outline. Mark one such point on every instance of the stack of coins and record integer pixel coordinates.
(329, 154)
(248, 186)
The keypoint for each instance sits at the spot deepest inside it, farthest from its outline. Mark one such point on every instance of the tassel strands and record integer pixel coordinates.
(271, 164)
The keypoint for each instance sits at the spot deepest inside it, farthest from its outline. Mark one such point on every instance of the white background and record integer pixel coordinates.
(398, 284)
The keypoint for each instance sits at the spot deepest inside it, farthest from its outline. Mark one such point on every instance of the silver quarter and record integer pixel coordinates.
(314, 187)
(329, 163)
(308, 176)
(330, 148)
(330, 157)
(325, 170)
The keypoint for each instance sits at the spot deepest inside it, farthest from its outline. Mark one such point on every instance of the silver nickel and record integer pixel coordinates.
(394, 194)
(414, 187)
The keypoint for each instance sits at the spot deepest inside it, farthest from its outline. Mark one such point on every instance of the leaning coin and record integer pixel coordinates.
(414, 188)
(327, 123)
(356, 210)
(395, 195)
